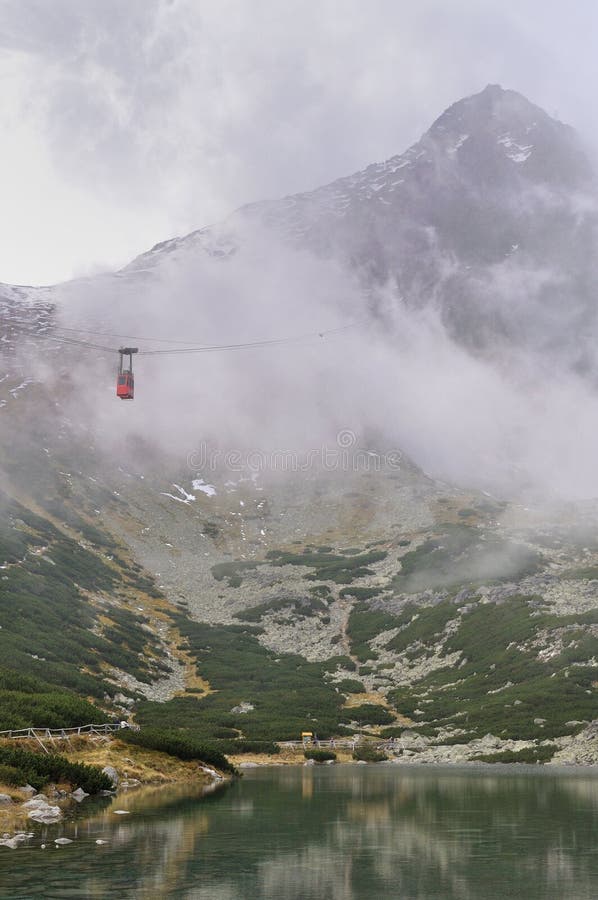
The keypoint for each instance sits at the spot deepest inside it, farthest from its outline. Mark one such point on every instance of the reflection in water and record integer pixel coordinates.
(333, 833)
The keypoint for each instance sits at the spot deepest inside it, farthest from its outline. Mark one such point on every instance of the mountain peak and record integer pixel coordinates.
(493, 104)
(490, 131)
(481, 161)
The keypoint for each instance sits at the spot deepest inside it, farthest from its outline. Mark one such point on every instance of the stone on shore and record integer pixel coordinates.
(112, 774)
(39, 810)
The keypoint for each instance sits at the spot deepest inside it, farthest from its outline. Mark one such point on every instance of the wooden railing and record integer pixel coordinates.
(57, 734)
(338, 744)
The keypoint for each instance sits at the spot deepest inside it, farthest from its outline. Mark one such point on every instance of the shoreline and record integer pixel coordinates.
(139, 769)
(461, 766)
(17, 829)
(136, 769)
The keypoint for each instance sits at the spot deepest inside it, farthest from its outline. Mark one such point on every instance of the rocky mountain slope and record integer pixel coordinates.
(364, 596)
(491, 218)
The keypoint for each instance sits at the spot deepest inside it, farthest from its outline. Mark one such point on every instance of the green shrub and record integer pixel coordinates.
(455, 740)
(179, 745)
(289, 694)
(241, 745)
(11, 775)
(224, 733)
(320, 756)
(39, 769)
(43, 592)
(233, 571)
(425, 625)
(502, 687)
(449, 558)
(307, 607)
(369, 714)
(28, 702)
(329, 566)
(368, 753)
(350, 686)
(363, 625)
(531, 755)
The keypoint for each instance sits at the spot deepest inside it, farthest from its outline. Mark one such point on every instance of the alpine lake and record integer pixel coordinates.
(339, 832)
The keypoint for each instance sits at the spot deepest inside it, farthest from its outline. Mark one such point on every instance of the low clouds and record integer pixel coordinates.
(125, 123)
(519, 426)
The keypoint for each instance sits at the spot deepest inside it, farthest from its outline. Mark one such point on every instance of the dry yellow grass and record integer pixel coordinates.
(366, 697)
(12, 817)
(131, 762)
(193, 681)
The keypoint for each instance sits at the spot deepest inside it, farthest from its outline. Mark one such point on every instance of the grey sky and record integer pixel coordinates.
(124, 122)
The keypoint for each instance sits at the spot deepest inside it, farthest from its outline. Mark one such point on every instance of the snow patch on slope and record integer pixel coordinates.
(517, 152)
(200, 485)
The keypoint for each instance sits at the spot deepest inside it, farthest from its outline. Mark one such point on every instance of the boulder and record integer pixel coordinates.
(37, 802)
(46, 815)
(5, 800)
(9, 843)
(79, 795)
(39, 810)
(123, 700)
(112, 774)
(410, 740)
(489, 742)
(243, 707)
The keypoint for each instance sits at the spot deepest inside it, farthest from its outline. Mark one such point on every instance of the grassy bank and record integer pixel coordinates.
(136, 767)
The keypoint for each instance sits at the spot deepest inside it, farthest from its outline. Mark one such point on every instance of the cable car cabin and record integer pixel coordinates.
(125, 386)
(125, 382)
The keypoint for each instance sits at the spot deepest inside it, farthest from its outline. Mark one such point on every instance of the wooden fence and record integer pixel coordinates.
(59, 734)
(339, 744)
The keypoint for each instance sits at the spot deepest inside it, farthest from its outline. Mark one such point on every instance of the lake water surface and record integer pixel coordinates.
(328, 833)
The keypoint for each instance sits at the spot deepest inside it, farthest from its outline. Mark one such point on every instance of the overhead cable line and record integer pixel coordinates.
(202, 348)
(62, 340)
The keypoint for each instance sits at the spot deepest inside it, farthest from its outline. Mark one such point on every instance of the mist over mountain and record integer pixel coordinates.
(465, 266)
(490, 218)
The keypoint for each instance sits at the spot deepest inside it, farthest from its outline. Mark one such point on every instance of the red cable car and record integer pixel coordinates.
(125, 382)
